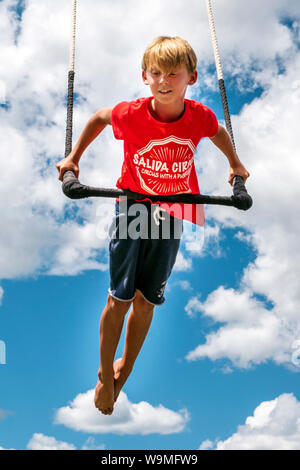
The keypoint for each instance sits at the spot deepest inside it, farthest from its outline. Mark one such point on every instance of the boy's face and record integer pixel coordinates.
(168, 87)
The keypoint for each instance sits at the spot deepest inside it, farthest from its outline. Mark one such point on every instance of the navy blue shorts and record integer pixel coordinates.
(144, 242)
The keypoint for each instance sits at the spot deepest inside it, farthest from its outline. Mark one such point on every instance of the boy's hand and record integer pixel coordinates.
(67, 164)
(238, 169)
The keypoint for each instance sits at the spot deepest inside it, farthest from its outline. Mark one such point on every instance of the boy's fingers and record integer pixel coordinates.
(230, 179)
(245, 177)
(62, 168)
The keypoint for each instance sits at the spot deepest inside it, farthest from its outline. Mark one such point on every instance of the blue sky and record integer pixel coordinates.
(51, 331)
(233, 306)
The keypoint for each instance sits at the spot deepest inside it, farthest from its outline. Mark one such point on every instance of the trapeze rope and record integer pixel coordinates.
(219, 70)
(73, 189)
(71, 76)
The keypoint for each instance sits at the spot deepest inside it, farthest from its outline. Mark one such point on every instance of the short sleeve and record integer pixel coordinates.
(211, 124)
(119, 119)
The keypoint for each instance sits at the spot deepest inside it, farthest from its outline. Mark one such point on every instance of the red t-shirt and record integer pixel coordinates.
(159, 156)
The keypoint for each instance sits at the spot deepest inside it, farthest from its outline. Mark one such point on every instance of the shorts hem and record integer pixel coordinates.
(121, 300)
(152, 303)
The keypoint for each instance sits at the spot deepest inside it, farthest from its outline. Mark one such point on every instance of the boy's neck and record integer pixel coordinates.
(166, 112)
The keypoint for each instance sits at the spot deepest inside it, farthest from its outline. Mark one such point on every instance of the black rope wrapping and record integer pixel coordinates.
(226, 110)
(69, 127)
(73, 189)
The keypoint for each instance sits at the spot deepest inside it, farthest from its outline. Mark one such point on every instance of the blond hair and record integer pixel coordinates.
(168, 53)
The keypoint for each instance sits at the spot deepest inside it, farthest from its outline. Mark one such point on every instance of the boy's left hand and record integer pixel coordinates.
(238, 169)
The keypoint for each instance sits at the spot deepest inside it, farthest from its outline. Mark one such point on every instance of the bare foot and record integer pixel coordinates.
(104, 398)
(120, 377)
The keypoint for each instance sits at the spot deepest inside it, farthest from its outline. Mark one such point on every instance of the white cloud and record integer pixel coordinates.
(4, 413)
(251, 335)
(254, 331)
(275, 425)
(90, 444)
(127, 418)
(193, 306)
(42, 442)
(183, 284)
(207, 444)
(182, 263)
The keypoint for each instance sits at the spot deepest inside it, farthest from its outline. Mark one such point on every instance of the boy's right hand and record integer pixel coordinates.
(65, 164)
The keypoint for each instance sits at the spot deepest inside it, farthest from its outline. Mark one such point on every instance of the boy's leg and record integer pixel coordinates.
(111, 324)
(138, 324)
(155, 262)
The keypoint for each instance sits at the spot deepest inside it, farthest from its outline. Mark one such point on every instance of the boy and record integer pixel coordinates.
(160, 136)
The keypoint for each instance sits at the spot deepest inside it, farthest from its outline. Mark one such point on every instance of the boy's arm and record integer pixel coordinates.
(93, 128)
(223, 141)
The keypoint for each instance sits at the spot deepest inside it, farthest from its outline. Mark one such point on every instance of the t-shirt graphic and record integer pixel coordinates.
(159, 156)
(163, 166)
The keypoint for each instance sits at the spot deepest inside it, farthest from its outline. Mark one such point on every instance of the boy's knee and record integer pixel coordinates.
(119, 306)
(142, 304)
